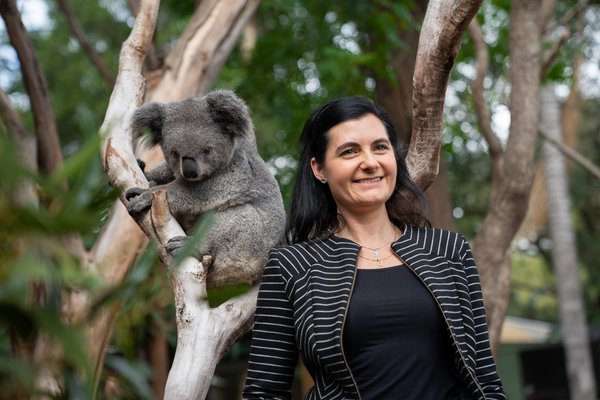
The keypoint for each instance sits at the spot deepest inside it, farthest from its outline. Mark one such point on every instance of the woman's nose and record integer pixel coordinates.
(369, 161)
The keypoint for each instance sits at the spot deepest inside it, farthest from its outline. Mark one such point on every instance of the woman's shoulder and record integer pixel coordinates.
(435, 239)
(303, 254)
(431, 231)
(317, 248)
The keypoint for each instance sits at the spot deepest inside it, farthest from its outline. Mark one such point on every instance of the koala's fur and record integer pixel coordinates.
(212, 163)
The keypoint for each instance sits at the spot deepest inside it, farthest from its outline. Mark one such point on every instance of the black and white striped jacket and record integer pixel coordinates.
(303, 300)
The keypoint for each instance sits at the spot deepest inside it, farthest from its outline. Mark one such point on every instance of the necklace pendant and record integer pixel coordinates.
(375, 253)
(379, 264)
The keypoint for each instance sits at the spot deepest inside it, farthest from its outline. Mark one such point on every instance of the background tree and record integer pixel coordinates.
(564, 256)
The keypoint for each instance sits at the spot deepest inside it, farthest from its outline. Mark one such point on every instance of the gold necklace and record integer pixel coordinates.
(377, 260)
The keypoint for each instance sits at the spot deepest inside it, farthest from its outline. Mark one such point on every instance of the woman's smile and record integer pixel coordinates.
(369, 180)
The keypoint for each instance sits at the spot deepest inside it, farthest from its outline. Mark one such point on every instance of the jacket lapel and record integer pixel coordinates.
(330, 284)
(417, 248)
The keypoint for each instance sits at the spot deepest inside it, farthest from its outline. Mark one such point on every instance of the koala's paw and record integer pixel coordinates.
(141, 164)
(140, 200)
(175, 244)
(207, 261)
(134, 192)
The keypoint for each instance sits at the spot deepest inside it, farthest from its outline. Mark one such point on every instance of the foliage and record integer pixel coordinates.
(533, 290)
(306, 53)
(585, 191)
(36, 270)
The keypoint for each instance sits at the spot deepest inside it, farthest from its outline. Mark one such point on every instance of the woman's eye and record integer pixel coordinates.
(347, 152)
(381, 147)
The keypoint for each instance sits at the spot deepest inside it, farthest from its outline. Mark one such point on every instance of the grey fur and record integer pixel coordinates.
(212, 163)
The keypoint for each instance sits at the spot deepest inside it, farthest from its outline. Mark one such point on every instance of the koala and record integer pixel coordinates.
(212, 164)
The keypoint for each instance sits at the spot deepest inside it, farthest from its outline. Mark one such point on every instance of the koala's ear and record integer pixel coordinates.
(151, 116)
(229, 111)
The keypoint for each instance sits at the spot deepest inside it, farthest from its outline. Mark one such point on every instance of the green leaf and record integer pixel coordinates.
(218, 296)
(135, 373)
(76, 164)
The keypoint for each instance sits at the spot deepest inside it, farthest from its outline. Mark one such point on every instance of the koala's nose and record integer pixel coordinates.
(189, 168)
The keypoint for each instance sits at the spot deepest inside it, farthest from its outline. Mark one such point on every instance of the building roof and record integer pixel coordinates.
(523, 330)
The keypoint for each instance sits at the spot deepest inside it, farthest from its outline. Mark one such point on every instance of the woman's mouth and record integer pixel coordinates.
(369, 180)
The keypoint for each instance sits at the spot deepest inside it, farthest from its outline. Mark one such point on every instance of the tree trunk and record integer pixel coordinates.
(204, 334)
(509, 204)
(575, 335)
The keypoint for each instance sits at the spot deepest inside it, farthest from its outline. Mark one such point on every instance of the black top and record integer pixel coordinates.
(395, 339)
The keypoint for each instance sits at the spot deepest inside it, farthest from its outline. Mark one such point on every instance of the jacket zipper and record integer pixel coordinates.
(342, 333)
(447, 324)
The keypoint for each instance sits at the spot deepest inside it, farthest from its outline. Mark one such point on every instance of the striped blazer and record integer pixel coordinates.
(303, 300)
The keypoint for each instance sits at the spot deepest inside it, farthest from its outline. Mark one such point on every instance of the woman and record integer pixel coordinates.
(379, 306)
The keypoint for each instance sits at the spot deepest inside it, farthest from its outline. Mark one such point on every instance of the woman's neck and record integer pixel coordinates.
(369, 229)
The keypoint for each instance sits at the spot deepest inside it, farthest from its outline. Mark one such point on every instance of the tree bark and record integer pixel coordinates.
(439, 42)
(509, 204)
(199, 54)
(575, 334)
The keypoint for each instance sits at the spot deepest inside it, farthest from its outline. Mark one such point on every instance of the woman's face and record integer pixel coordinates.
(359, 165)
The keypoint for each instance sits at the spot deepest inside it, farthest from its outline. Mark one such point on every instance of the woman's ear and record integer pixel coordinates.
(317, 170)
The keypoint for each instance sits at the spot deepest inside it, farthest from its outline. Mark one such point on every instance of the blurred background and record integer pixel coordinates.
(290, 57)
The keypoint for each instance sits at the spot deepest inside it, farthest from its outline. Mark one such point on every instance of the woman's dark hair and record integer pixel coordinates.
(313, 212)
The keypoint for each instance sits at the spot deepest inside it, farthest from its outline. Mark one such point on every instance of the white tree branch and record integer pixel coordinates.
(204, 334)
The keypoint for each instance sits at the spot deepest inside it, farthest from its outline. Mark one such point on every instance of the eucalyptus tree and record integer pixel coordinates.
(185, 60)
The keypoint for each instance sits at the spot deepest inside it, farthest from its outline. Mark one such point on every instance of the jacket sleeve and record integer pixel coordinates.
(485, 366)
(273, 350)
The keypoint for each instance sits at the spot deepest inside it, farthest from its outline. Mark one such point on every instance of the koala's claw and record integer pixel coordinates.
(140, 200)
(174, 245)
(134, 192)
(141, 164)
(207, 261)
